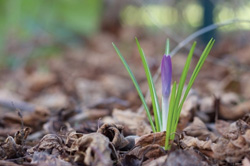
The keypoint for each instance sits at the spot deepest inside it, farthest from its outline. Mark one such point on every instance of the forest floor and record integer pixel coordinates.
(82, 108)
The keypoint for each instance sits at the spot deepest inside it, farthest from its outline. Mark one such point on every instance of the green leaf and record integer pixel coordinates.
(194, 75)
(154, 98)
(182, 82)
(197, 70)
(136, 86)
(171, 117)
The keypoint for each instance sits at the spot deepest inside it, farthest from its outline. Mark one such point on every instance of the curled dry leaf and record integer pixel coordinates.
(224, 149)
(234, 144)
(115, 135)
(20, 136)
(13, 147)
(233, 130)
(71, 137)
(50, 143)
(9, 149)
(92, 149)
(189, 141)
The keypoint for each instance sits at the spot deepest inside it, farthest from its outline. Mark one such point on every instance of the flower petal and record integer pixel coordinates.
(166, 75)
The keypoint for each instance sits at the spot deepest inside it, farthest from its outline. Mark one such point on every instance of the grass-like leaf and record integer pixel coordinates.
(154, 98)
(181, 83)
(136, 86)
(194, 75)
(170, 117)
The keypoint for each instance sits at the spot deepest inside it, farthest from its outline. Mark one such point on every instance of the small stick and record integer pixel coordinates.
(186, 41)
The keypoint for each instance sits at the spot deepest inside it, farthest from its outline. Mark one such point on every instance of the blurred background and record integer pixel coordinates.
(37, 29)
(54, 52)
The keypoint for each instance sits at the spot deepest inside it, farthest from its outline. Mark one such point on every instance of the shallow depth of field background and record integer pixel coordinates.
(38, 30)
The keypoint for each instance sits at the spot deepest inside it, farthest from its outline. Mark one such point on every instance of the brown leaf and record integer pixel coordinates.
(161, 161)
(245, 162)
(188, 141)
(148, 151)
(198, 129)
(7, 163)
(50, 143)
(9, 149)
(92, 149)
(185, 158)
(134, 121)
(38, 81)
(33, 119)
(20, 136)
(153, 138)
(44, 159)
(188, 110)
(231, 149)
(234, 112)
(130, 160)
(115, 135)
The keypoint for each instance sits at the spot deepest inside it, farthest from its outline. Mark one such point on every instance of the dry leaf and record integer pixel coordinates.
(130, 160)
(188, 142)
(161, 161)
(92, 149)
(153, 138)
(135, 122)
(188, 110)
(38, 80)
(235, 112)
(148, 152)
(115, 135)
(198, 129)
(185, 158)
(9, 149)
(50, 143)
(7, 163)
(245, 162)
(234, 145)
(20, 136)
(44, 159)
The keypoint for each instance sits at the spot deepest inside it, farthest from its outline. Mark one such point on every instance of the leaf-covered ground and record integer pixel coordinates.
(82, 108)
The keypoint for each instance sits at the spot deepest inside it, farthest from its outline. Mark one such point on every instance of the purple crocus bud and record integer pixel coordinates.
(166, 75)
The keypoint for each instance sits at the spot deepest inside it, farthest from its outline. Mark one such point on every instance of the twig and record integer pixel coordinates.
(187, 40)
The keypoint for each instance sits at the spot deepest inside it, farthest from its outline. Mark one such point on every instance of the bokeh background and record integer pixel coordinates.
(38, 29)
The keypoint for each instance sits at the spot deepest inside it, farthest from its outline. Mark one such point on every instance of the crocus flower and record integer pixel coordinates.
(166, 77)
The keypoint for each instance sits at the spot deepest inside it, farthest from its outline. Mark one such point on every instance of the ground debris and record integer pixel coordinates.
(91, 149)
